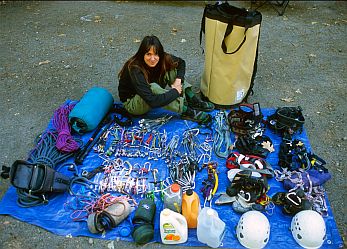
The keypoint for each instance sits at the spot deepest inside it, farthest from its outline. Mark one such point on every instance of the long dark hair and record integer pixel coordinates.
(165, 62)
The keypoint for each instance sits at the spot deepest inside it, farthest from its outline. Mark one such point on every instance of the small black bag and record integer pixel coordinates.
(37, 178)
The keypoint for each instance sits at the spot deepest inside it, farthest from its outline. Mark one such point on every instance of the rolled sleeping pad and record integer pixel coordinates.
(90, 110)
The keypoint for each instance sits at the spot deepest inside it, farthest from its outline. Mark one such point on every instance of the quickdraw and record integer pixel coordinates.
(221, 138)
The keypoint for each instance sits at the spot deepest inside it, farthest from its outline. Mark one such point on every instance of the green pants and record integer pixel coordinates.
(137, 106)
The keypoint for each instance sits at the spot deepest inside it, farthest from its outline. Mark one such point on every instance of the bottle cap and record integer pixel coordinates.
(189, 192)
(124, 231)
(166, 212)
(175, 187)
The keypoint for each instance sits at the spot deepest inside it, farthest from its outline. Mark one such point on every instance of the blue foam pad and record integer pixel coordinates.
(90, 110)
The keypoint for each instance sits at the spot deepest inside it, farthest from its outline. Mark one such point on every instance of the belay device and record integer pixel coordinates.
(231, 48)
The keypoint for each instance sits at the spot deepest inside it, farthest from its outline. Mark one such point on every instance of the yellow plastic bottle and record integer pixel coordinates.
(191, 207)
(173, 227)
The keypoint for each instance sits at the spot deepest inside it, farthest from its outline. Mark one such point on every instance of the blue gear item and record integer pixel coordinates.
(90, 110)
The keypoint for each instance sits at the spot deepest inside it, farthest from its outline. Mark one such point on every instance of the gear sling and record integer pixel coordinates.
(231, 48)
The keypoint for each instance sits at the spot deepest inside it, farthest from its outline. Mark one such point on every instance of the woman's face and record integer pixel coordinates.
(151, 58)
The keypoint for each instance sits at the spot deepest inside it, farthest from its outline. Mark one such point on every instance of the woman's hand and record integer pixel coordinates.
(177, 84)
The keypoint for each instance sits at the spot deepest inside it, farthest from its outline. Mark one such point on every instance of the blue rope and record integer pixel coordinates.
(45, 152)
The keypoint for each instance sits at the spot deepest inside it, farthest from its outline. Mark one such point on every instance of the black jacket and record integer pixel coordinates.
(133, 82)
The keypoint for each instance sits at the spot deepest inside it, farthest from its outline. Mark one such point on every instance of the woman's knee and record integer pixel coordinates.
(156, 89)
(136, 106)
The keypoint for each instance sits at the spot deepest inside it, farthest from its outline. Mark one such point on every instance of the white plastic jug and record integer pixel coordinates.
(173, 227)
(210, 228)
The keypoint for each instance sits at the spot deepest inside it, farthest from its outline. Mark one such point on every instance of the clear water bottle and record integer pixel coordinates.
(173, 198)
(210, 228)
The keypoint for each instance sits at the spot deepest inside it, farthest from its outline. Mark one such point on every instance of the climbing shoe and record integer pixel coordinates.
(197, 104)
(279, 198)
(293, 202)
(197, 116)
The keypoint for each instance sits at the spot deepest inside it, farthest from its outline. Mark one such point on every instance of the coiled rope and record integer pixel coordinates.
(45, 152)
(65, 142)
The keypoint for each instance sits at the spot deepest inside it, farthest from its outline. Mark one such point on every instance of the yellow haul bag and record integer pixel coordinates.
(231, 48)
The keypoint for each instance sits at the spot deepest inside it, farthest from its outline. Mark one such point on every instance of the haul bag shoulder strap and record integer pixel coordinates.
(37, 178)
(232, 16)
(227, 14)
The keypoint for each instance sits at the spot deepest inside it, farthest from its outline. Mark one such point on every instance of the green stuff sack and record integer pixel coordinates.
(231, 48)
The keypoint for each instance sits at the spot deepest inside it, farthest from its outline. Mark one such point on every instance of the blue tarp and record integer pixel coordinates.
(55, 216)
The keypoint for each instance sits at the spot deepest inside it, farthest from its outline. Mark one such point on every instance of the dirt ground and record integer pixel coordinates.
(53, 51)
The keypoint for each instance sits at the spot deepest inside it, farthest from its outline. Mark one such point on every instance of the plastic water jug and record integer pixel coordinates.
(210, 228)
(173, 227)
(173, 198)
(191, 207)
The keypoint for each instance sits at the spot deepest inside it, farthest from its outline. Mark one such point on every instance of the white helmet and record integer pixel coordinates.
(253, 230)
(308, 229)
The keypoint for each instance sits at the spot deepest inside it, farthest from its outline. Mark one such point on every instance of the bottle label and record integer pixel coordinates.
(170, 232)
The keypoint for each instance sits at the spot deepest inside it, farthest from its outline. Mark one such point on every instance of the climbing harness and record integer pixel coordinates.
(250, 162)
(293, 155)
(247, 119)
(252, 185)
(249, 190)
(259, 146)
(286, 121)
